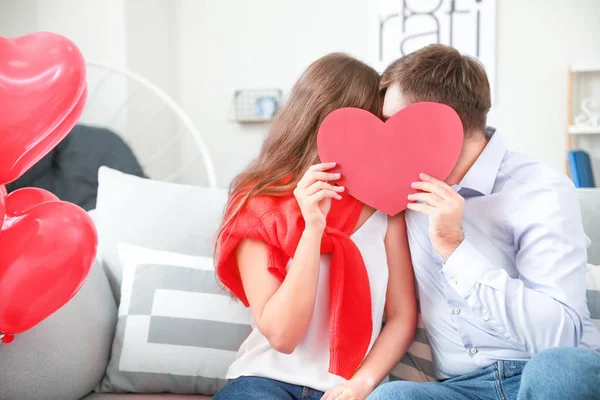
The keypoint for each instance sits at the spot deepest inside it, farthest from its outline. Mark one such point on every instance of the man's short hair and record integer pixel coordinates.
(441, 74)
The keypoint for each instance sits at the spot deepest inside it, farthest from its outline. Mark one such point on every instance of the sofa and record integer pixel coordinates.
(80, 351)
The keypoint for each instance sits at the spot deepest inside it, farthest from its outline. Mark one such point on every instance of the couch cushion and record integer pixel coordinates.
(177, 331)
(590, 212)
(70, 170)
(593, 293)
(417, 363)
(64, 357)
(158, 215)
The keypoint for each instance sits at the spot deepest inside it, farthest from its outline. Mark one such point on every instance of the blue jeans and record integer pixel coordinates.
(560, 373)
(255, 388)
(498, 381)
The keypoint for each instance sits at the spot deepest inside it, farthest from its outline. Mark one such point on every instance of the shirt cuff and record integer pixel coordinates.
(464, 268)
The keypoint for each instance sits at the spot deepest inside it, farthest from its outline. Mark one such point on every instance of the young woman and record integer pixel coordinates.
(319, 270)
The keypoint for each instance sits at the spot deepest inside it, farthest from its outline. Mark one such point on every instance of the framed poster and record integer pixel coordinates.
(399, 27)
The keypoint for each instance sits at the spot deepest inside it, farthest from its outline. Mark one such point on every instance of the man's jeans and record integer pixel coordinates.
(563, 373)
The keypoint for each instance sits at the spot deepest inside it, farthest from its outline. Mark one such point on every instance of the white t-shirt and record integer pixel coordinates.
(308, 365)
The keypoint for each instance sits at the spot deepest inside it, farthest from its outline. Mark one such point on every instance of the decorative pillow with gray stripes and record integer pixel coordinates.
(417, 363)
(177, 331)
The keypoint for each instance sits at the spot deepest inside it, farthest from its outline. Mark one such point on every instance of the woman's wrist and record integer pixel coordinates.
(365, 381)
(313, 231)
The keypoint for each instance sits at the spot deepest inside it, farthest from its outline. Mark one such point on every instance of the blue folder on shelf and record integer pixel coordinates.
(581, 169)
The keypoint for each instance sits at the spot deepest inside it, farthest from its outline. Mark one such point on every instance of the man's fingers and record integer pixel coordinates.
(430, 188)
(432, 199)
(442, 185)
(421, 207)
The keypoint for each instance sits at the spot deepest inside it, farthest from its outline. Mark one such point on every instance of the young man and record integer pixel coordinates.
(498, 249)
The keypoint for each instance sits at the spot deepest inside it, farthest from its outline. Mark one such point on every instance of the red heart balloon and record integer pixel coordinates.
(47, 252)
(45, 144)
(378, 161)
(23, 199)
(2, 203)
(42, 80)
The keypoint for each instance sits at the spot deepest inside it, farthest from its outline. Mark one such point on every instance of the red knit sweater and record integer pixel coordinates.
(278, 222)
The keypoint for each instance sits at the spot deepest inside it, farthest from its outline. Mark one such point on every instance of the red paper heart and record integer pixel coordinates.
(42, 80)
(47, 252)
(378, 161)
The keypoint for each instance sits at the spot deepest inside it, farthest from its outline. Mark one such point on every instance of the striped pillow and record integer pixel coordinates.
(177, 331)
(417, 365)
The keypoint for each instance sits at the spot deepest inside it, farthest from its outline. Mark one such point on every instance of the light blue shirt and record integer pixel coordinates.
(516, 285)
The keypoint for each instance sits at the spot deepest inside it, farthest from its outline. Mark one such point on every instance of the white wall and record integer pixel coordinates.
(127, 34)
(201, 51)
(17, 18)
(228, 45)
(97, 28)
(533, 69)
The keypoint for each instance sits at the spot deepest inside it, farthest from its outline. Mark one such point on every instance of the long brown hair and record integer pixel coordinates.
(333, 81)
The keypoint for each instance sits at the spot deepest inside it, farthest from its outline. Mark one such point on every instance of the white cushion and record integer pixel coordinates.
(158, 215)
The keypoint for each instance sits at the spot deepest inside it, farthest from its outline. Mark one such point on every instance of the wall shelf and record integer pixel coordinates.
(585, 67)
(583, 130)
(583, 111)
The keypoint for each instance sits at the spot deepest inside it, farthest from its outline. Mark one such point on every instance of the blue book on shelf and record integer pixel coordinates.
(581, 169)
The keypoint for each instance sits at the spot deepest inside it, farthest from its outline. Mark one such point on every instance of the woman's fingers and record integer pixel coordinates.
(335, 393)
(343, 395)
(314, 176)
(317, 173)
(322, 166)
(324, 194)
(320, 185)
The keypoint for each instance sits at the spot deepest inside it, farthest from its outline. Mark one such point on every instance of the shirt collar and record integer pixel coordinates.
(482, 175)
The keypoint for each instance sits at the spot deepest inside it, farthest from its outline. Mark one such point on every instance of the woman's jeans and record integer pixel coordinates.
(255, 388)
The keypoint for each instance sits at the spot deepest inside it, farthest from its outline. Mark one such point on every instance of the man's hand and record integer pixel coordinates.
(353, 389)
(444, 207)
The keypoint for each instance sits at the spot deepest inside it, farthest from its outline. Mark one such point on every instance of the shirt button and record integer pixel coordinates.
(456, 311)
(454, 281)
(473, 350)
(486, 317)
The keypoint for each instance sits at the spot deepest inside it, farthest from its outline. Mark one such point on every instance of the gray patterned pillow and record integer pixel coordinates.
(417, 364)
(177, 331)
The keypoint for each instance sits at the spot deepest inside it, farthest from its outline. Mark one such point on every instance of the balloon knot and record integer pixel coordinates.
(6, 339)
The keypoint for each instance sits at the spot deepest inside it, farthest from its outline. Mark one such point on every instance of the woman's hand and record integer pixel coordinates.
(353, 389)
(314, 194)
